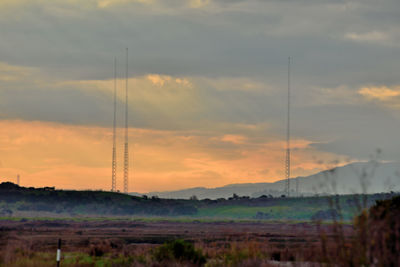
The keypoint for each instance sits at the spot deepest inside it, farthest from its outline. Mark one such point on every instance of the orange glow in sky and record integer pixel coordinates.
(79, 157)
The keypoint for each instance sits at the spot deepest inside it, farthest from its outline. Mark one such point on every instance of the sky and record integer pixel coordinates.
(207, 89)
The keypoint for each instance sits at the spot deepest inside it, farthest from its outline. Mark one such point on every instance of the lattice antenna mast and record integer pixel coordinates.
(126, 152)
(18, 179)
(114, 149)
(297, 179)
(287, 161)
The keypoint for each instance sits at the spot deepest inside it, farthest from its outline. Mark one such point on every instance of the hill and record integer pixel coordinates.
(355, 178)
(20, 202)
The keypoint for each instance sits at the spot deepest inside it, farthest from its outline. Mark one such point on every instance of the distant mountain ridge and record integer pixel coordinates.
(357, 177)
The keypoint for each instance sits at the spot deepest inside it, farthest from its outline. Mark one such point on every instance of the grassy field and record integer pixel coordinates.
(244, 212)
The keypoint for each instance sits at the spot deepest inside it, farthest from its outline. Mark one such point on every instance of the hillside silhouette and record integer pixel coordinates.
(348, 179)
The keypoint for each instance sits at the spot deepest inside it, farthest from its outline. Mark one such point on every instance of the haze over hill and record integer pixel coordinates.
(349, 179)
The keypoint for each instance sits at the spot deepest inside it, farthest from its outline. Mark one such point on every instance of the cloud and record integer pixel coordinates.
(373, 36)
(235, 139)
(109, 3)
(213, 69)
(156, 101)
(10, 73)
(77, 40)
(389, 97)
(222, 107)
(199, 3)
(380, 93)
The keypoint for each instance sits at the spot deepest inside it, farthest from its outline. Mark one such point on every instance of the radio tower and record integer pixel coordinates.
(126, 152)
(287, 161)
(114, 152)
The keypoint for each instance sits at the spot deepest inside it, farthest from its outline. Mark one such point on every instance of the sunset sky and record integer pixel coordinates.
(208, 85)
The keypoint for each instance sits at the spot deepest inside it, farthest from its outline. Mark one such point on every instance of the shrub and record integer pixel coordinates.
(384, 231)
(179, 250)
(99, 248)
